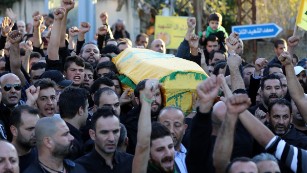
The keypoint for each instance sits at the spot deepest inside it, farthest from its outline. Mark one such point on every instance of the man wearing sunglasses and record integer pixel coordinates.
(11, 94)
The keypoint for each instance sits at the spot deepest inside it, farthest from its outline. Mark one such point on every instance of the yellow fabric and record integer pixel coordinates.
(301, 19)
(179, 77)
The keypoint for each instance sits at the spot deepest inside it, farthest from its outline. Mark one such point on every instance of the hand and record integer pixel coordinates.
(102, 30)
(32, 95)
(104, 17)
(125, 98)
(234, 61)
(15, 37)
(191, 22)
(84, 27)
(232, 42)
(260, 63)
(73, 31)
(238, 103)
(207, 92)
(285, 58)
(293, 41)
(6, 26)
(260, 115)
(59, 13)
(195, 102)
(10, 13)
(26, 45)
(193, 41)
(68, 4)
(147, 95)
(37, 21)
(42, 28)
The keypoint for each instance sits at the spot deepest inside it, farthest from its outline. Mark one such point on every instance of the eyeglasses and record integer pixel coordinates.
(8, 87)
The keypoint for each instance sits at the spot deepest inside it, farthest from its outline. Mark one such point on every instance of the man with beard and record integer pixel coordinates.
(105, 132)
(280, 122)
(173, 119)
(270, 90)
(54, 142)
(155, 147)
(131, 119)
(300, 73)
(158, 45)
(9, 158)
(11, 94)
(23, 120)
(90, 53)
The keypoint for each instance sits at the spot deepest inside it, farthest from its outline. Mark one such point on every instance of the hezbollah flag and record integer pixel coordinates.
(178, 77)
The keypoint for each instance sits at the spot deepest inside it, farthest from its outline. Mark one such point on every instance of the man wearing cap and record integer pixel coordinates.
(300, 73)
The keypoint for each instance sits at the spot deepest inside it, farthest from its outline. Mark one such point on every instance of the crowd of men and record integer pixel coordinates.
(63, 109)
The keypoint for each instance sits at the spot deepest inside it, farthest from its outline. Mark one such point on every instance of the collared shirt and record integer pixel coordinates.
(180, 159)
(93, 162)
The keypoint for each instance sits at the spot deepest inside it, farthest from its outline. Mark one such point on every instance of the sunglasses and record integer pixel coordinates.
(8, 87)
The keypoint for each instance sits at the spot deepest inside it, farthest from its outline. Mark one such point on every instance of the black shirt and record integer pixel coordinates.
(26, 160)
(77, 150)
(93, 162)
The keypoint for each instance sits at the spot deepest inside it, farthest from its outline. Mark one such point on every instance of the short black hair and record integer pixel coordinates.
(105, 111)
(269, 77)
(279, 41)
(102, 80)
(280, 101)
(100, 91)
(212, 53)
(266, 70)
(70, 100)
(45, 83)
(38, 65)
(15, 118)
(141, 35)
(35, 55)
(158, 131)
(216, 17)
(107, 64)
(73, 59)
(218, 65)
(88, 66)
(106, 55)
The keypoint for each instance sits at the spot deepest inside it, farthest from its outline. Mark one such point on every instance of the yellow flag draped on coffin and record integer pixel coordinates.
(179, 77)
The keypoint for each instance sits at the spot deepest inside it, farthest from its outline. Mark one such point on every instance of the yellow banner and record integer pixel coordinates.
(301, 19)
(171, 30)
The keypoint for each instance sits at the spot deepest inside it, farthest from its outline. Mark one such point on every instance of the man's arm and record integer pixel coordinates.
(37, 39)
(68, 5)
(54, 43)
(142, 150)
(183, 49)
(15, 60)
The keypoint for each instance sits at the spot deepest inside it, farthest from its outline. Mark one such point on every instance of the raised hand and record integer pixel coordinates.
(193, 41)
(104, 17)
(59, 13)
(232, 42)
(15, 37)
(32, 94)
(191, 22)
(285, 58)
(26, 45)
(233, 61)
(236, 104)
(125, 98)
(73, 31)
(207, 92)
(260, 63)
(68, 4)
(147, 95)
(84, 27)
(37, 21)
(6, 26)
(102, 30)
(10, 13)
(293, 41)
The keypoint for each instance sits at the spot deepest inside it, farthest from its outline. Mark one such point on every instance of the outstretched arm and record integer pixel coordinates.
(142, 150)
(68, 5)
(54, 43)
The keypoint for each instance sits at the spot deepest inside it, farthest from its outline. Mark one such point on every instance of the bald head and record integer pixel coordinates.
(11, 89)
(9, 158)
(46, 127)
(21, 25)
(158, 45)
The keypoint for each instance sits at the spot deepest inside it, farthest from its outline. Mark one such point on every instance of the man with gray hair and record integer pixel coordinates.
(266, 163)
(54, 142)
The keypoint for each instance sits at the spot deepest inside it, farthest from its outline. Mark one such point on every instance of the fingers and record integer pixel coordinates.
(15, 36)
(240, 99)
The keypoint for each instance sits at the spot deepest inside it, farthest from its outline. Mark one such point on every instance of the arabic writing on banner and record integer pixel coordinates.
(171, 30)
(301, 19)
(248, 32)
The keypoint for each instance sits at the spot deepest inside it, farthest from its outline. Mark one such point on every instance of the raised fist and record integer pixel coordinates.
(15, 37)
(38, 20)
(84, 27)
(59, 13)
(73, 31)
(191, 22)
(68, 4)
(285, 58)
(103, 30)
